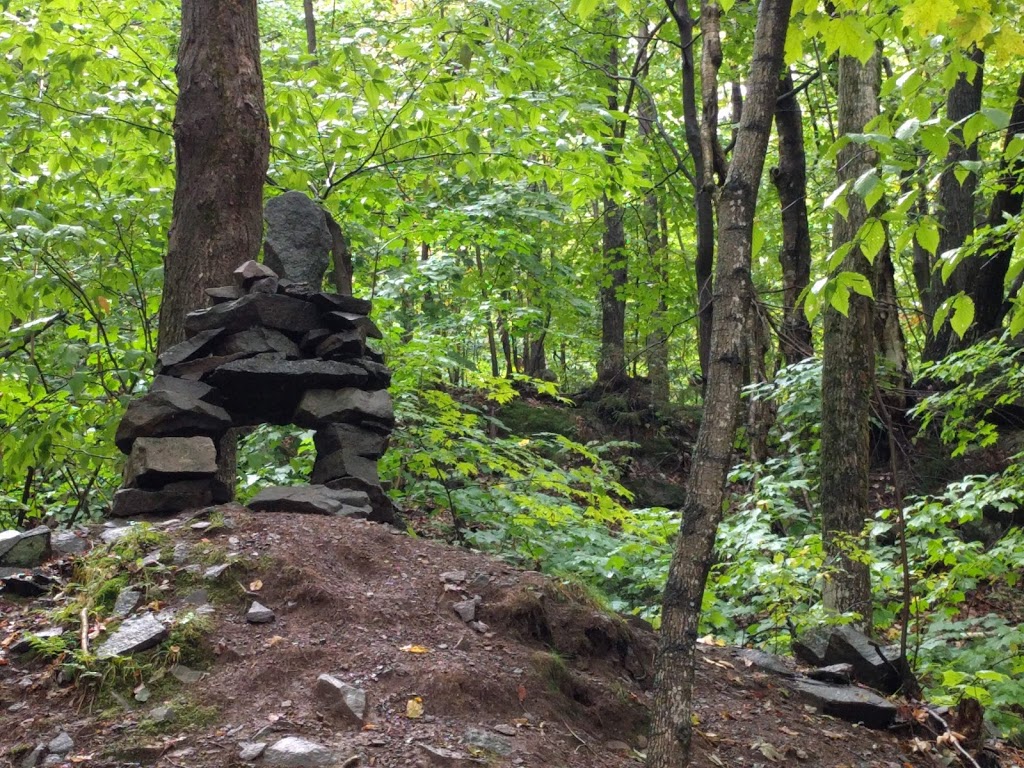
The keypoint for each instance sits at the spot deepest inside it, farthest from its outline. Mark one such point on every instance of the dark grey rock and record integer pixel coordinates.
(454, 577)
(69, 543)
(170, 414)
(465, 610)
(335, 302)
(192, 389)
(267, 285)
(186, 675)
(378, 376)
(491, 742)
(61, 744)
(298, 241)
(312, 339)
(321, 406)
(224, 293)
(342, 346)
(350, 439)
(841, 674)
(768, 662)
(311, 499)
(171, 499)
(114, 532)
(340, 464)
(25, 583)
(383, 510)
(270, 311)
(266, 390)
(252, 271)
(257, 341)
(342, 699)
(24, 643)
(293, 752)
(198, 345)
(195, 370)
(259, 614)
(373, 355)
(24, 550)
(156, 461)
(872, 665)
(127, 601)
(132, 636)
(35, 757)
(163, 714)
(350, 321)
(855, 705)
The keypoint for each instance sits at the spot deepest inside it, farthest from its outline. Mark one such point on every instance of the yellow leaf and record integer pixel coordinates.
(104, 303)
(415, 649)
(256, 586)
(414, 708)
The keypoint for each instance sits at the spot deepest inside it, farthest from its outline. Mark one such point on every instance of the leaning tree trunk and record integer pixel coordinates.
(790, 179)
(672, 728)
(222, 145)
(848, 364)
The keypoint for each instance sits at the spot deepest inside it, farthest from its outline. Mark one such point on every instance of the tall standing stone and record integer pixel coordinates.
(298, 244)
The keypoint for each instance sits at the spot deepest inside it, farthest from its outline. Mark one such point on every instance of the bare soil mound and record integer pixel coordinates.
(539, 675)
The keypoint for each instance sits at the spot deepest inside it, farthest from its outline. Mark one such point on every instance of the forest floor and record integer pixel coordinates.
(548, 679)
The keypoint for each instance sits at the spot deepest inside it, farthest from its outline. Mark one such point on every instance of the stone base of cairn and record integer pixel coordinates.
(269, 351)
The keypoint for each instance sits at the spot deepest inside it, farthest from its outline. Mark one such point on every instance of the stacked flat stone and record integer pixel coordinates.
(269, 351)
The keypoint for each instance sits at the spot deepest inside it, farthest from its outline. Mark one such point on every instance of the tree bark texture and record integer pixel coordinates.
(672, 728)
(955, 209)
(704, 204)
(310, 19)
(222, 145)
(790, 179)
(848, 365)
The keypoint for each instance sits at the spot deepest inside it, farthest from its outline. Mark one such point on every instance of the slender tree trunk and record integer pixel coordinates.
(848, 365)
(672, 727)
(704, 262)
(956, 209)
(307, 8)
(492, 345)
(790, 179)
(611, 368)
(222, 144)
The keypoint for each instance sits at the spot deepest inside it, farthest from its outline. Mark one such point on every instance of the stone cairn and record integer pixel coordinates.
(269, 351)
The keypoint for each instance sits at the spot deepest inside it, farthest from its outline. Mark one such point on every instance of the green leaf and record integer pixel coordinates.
(927, 234)
(872, 238)
(934, 139)
(963, 314)
(952, 678)
(856, 282)
(585, 8)
(908, 129)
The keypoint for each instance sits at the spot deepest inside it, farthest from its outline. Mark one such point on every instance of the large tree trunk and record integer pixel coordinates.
(222, 145)
(956, 210)
(790, 179)
(672, 727)
(848, 365)
(704, 262)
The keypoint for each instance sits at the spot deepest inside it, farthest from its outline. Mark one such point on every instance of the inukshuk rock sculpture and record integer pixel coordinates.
(269, 351)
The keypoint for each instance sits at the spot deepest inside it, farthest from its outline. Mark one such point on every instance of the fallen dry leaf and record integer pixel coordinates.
(788, 731)
(255, 586)
(768, 750)
(414, 708)
(521, 692)
(275, 640)
(415, 649)
(369, 727)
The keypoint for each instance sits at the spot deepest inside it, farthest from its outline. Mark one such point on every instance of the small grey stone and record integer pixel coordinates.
(448, 758)
(61, 744)
(162, 714)
(181, 551)
(24, 643)
(186, 675)
(199, 597)
(215, 571)
(132, 636)
(51, 761)
(250, 750)
(499, 745)
(259, 614)
(293, 752)
(68, 543)
(111, 535)
(251, 271)
(507, 730)
(454, 577)
(127, 601)
(33, 758)
(466, 610)
(341, 698)
(479, 626)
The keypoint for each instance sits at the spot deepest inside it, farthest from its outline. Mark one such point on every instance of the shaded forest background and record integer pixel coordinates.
(529, 193)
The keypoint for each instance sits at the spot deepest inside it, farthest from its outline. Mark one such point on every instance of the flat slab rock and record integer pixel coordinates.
(311, 499)
(164, 413)
(268, 310)
(293, 752)
(132, 636)
(850, 703)
(873, 665)
(156, 461)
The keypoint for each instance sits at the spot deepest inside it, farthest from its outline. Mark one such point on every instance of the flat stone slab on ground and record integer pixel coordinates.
(69, 543)
(132, 636)
(872, 665)
(850, 703)
(311, 499)
(293, 752)
(24, 550)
